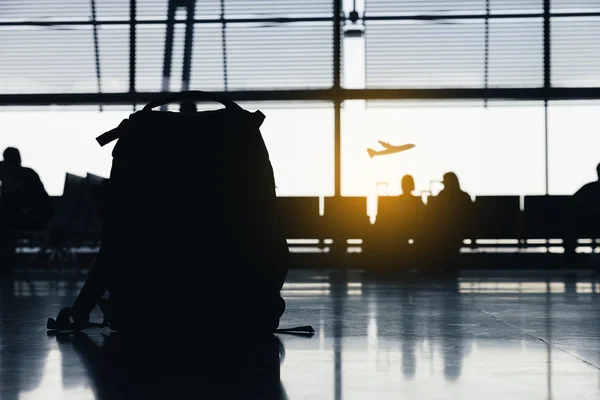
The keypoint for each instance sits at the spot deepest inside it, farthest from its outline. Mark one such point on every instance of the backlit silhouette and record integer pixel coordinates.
(588, 196)
(193, 239)
(389, 149)
(24, 203)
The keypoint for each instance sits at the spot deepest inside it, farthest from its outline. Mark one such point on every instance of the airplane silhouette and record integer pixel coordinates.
(389, 149)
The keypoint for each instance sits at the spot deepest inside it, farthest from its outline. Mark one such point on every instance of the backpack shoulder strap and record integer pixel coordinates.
(113, 134)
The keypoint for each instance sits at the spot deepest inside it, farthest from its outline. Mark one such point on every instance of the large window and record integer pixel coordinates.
(299, 138)
(455, 46)
(461, 52)
(57, 140)
(84, 47)
(498, 149)
(574, 144)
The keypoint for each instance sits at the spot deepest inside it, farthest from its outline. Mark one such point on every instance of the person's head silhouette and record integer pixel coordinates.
(450, 181)
(12, 156)
(408, 184)
(598, 171)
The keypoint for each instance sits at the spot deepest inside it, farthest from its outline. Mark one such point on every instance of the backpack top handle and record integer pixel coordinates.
(192, 95)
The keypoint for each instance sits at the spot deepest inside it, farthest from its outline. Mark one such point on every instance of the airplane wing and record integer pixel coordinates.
(385, 144)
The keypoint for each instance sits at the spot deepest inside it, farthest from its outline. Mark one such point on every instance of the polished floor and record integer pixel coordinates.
(491, 336)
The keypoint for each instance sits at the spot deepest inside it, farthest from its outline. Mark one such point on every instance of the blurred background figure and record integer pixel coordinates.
(585, 216)
(24, 202)
(407, 198)
(23, 198)
(451, 210)
(414, 220)
(588, 196)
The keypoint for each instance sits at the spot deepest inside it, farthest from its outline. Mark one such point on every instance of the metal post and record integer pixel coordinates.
(166, 78)
(546, 158)
(486, 61)
(337, 102)
(96, 49)
(132, 49)
(224, 44)
(547, 86)
(547, 50)
(187, 49)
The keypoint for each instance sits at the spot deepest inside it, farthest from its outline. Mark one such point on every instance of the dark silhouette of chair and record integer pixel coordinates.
(450, 222)
(299, 217)
(388, 209)
(346, 218)
(98, 192)
(69, 214)
(86, 227)
(497, 217)
(548, 217)
(401, 226)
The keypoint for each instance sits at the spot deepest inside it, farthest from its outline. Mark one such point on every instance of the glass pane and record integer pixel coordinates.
(493, 150)
(575, 52)
(573, 143)
(293, 55)
(47, 60)
(57, 140)
(425, 54)
(300, 143)
(53, 142)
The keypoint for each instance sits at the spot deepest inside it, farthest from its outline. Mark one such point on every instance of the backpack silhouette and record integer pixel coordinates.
(191, 238)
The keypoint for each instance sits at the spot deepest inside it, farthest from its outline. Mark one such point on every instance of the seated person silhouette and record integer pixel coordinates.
(410, 202)
(23, 198)
(586, 212)
(588, 196)
(452, 194)
(413, 211)
(24, 203)
(450, 211)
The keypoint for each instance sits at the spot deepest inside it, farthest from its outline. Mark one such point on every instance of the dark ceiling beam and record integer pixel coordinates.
(275, 20)
(132, 44)
(586, 93)
(300, 19)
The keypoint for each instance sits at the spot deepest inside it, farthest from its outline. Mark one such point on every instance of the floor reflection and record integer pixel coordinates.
(177, 365)
(518, 338)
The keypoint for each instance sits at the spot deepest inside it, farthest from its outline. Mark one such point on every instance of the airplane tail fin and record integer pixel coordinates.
(371, 152)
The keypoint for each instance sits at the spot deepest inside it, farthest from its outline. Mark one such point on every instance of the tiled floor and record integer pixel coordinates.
(515, 336)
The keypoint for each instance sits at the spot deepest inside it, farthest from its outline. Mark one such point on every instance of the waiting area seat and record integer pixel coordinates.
(299, 217)
(497, 217)
(80, 211)
(346, 218)
(549, 217)
(74, 223)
